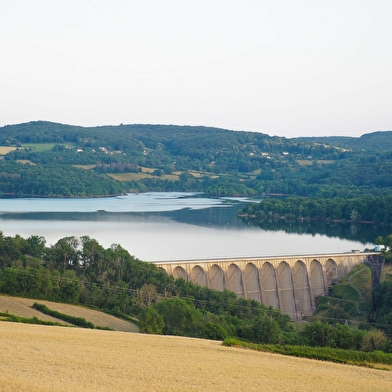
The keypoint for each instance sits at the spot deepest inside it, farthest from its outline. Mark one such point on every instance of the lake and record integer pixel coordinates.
(162, 226)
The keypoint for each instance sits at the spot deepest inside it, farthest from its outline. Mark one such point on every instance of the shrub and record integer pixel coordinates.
(214, 331)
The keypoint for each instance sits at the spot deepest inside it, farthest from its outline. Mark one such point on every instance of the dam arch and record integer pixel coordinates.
(180, 272)
(234, 280)
(198, 276)
(286, 290)
(216, 277)
(302, 294)
(269, 290)
(317, 282)
(252, 282)
(331, 271)
(290, 284)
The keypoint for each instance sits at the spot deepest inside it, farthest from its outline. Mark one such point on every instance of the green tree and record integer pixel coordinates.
(373, 340)
(316, 334)
(37, 246)
(64, 253)
(262, 329)
(151, 321)
(214, 331)
(342, 336)
(180, 317)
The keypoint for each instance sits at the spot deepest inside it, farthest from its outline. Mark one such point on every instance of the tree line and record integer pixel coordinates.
(54, 180)
(80, 271)
(366, 208)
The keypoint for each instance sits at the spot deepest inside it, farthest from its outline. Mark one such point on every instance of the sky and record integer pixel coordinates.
(282, 67)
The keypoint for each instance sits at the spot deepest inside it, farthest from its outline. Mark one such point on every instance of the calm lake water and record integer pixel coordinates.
(161, 226)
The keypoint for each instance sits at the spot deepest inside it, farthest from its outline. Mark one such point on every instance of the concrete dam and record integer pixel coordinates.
(290, 284)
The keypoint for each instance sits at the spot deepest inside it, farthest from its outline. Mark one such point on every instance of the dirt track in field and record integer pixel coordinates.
(43, 358)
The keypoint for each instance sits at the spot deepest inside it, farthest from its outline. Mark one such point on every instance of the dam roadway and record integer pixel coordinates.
(289, 283)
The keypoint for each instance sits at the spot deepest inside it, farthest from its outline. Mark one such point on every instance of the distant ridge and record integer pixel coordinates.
(374, 141)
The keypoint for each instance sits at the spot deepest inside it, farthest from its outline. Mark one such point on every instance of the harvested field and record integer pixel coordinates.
(42, 358)
(129, 176)
(139, 176)
(23, 307)
(5, 150)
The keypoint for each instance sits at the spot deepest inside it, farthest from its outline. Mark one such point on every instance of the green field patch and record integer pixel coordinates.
(129, 176)
(345, 292)
(24, 161)
(323, 302)
(198, 174)
(39, 147)
(304, 162)
(147, 169)
(349, 307)
(325, 161)
(5, 150)
(195, 173)
(85, 167)
(386, 272)
(170, 177)
(141, 175)
(362, 282)
(365, 307)
(357, 269)
(307, 162)
(350, 299)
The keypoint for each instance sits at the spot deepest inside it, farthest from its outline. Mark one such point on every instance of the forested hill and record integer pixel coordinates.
(206, 143)
(375, 141)
(175, 138)
(49, 159)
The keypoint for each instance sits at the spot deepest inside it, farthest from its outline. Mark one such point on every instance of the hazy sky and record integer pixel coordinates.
(282, 67)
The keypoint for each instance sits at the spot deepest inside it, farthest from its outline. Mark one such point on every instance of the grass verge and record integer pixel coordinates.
(5, 316)
(375, 359)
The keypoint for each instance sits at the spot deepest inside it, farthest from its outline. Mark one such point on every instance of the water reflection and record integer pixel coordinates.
(363, 233)
(166, 226)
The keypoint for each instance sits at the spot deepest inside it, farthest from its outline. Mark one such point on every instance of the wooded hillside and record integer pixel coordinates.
(48, 159)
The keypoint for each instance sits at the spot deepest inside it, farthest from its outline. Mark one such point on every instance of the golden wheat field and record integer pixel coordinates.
(46, 358)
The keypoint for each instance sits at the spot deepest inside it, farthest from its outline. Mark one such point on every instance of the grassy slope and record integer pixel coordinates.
(352, 294)
(69, 359)
(386, 272)
(22, 307)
